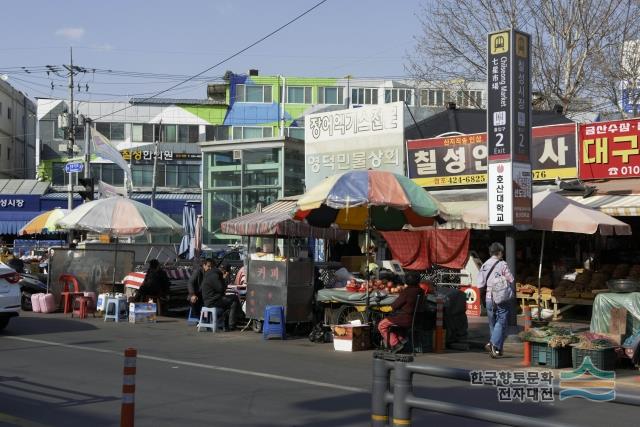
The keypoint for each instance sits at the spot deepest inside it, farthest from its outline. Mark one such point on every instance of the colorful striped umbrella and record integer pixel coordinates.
(383, 200)
(45, 222)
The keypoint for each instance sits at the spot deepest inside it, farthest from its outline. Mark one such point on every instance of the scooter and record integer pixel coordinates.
(30, 284)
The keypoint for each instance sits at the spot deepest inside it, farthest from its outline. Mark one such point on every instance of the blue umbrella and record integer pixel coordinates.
(187, 247)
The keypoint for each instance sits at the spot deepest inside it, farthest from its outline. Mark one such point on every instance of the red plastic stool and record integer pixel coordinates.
(68, 282)
(83, 306)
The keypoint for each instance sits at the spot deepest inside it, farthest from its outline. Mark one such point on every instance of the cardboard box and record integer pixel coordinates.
(146, 317)
(351, 337)
(142, 312)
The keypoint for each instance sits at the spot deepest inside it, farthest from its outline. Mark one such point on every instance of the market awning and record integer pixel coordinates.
(612, 204)
(277, 224)
(12, 221)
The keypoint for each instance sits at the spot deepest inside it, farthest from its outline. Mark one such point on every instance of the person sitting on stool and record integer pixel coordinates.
(402, 315)
(214, 294)
(155, 285)
(195, 286)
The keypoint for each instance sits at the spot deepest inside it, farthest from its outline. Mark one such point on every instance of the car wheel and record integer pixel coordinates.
(25, 302)
(4, 321)
(256, 326)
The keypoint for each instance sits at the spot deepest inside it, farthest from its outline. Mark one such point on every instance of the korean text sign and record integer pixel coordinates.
(610, 149)
(462, 159)
(509, 127)
(370, 137)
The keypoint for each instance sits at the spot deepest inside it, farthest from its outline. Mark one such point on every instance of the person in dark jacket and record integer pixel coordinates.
(156, 283)
(214, 294)
(195, 285)
(402, 315)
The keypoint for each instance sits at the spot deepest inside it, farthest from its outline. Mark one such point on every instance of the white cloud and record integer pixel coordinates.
(72, 33)
(106, 47)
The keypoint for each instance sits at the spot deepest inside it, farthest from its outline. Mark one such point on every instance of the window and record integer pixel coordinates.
(142, 175)
(395, 95)
(217, 133)
(9, 112)
(249, 132)
(142, 133)
(299, 94)
(8, 153)
(253, 93)
(297, 133)
(109, 173)
(169, 133)
(113, 131)
(188, 133)
(183, 176)
(330, 95)
(60, 177)
(469, 98)
(434, 97)
(364, 96)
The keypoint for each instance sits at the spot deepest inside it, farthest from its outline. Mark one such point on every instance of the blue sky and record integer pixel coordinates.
(362, 38)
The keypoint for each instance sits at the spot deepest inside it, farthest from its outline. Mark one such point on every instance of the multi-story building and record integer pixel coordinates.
(265, 113)
(17, 133)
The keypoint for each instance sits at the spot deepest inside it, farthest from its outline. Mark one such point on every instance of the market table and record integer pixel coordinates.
(568, 303)
(351, 304)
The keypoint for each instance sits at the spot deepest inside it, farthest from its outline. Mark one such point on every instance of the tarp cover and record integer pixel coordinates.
(603, 304)
(277, 224)
(355, 298)
(418, 250)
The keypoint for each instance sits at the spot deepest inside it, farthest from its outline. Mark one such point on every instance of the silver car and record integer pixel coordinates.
(10, 294)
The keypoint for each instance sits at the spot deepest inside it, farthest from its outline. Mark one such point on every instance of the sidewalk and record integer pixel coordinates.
(476, 358)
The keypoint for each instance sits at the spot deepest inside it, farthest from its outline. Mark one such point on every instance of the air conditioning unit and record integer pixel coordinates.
(237, 154)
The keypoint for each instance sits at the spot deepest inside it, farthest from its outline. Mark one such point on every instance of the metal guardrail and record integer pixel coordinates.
(399, 402)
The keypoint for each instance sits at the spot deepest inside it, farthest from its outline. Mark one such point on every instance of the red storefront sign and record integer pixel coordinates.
(474, 306)
(610, 150)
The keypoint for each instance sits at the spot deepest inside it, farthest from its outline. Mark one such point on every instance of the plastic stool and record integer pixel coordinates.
(274, 322)
(119, 308)
(192, 320)
(209, 319)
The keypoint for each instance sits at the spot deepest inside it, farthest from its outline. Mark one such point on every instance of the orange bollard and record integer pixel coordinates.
(439, 334)
(127, 411)
(526, 358)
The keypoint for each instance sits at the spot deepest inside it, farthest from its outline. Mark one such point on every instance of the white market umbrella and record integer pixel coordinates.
(119, 217)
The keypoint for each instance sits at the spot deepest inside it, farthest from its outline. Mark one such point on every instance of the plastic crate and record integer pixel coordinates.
(543, 355)
(604, 359)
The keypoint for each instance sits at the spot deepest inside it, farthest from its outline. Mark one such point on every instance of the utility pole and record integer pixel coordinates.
(155, 167)
(87, 148)
(72, 127)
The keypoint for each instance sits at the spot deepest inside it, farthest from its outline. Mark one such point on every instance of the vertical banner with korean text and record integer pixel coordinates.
(509, 129)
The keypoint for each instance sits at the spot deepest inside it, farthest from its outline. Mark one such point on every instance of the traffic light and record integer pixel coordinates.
(87, 192)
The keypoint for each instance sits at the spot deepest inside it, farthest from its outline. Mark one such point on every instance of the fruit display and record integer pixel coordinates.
(386, 286)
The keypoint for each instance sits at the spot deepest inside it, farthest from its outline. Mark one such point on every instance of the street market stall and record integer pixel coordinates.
(279, 270)
(555, 213)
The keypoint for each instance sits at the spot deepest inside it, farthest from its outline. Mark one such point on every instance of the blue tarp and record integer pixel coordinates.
(12, 221)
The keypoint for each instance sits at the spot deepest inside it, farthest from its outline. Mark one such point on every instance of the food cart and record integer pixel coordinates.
(286, 280)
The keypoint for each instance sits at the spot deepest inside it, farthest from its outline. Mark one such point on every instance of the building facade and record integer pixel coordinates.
(17, 134)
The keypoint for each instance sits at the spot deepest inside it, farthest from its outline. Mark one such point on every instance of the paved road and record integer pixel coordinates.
(66, 372)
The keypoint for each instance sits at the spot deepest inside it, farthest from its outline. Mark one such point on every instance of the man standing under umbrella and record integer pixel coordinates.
(214, 290)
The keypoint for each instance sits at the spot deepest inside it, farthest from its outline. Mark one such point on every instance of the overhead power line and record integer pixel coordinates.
(260, 40)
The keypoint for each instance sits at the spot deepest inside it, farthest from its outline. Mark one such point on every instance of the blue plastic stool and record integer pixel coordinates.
(116, 309)
(211, 318)
(192, 320)
(274, 322)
